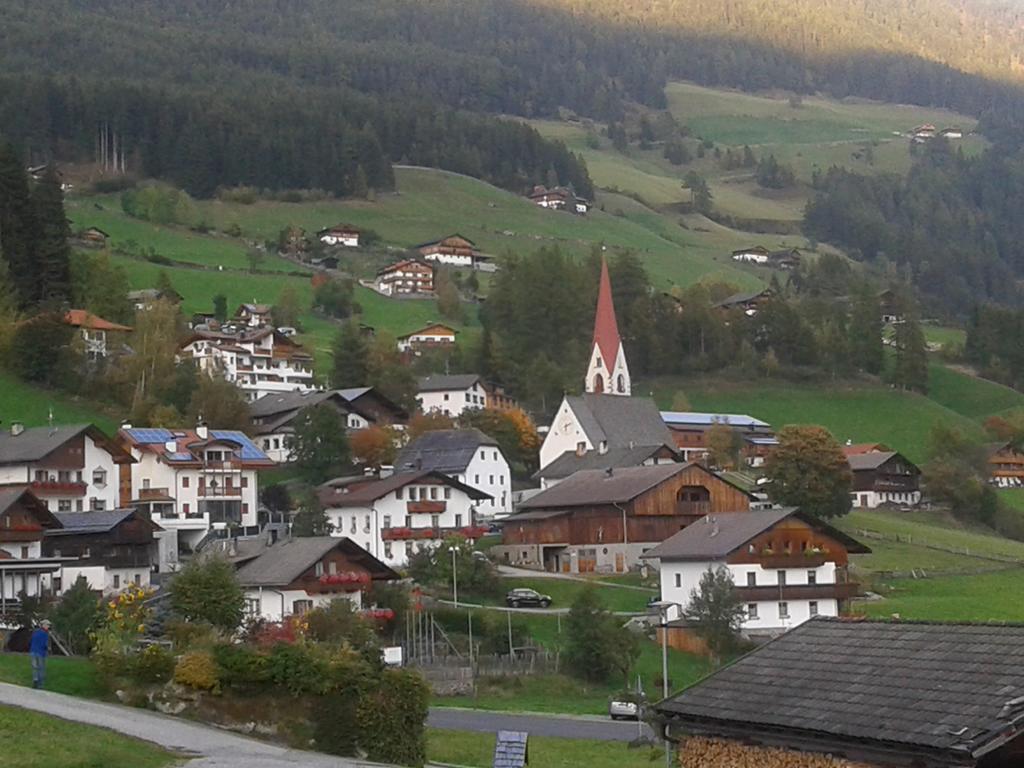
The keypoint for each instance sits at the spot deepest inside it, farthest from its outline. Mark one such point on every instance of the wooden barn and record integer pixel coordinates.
(605, 520)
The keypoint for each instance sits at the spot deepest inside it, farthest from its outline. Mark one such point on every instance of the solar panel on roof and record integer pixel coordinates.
(148, 435)
(249, 450)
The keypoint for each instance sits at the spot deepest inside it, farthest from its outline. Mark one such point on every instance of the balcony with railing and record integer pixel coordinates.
(59, 487)
(423, 507)
(838, 591)
(419, 534)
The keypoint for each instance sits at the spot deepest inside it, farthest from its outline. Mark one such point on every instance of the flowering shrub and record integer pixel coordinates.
(197, 670)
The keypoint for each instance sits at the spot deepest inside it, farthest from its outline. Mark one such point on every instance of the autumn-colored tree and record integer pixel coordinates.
(808, 470)
(421, 423)
(724, 445)
(513, 430)
(529, 439)
(374, 446)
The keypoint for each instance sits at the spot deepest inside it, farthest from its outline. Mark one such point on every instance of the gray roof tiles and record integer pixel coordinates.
(620, 421)
(36, 443)
(445, 450)
(945, 688)
(98, 521)
(596, 486)
(620, 456)
(441, 382)
(285, 561)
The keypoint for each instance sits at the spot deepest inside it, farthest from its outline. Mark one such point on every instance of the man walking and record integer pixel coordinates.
(38, 648)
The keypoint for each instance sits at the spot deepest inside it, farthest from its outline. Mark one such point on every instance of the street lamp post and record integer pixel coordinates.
(664, 668)
(455, 579)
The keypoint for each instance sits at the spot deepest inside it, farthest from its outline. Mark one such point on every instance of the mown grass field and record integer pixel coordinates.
(34, 740)
(865, 413)
(74, 676)
(31, 405)
(477, 750)
(563, 592)
(982, 597)
(970, 396)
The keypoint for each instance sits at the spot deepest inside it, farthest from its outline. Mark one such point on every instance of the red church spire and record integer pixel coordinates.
(606, 327)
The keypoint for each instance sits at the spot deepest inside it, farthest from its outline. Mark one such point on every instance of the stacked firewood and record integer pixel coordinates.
(699, 752)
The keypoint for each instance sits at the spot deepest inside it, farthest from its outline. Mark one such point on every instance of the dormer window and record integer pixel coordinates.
(99, 477)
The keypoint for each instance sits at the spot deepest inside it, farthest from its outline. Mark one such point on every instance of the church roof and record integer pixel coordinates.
(606, 327)
(620, 421)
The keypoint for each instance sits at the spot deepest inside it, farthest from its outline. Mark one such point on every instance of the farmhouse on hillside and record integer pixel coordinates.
(451, 394)
(860, 693)
(1006, 465)
(92, 237)
(787, 566)
(74, 468)
(259, 361)
(340, 234)
(101, 337)
(291, 576)
(144, 299)
(453, 250)
(468, 455)
(748, 302)
(784, 258)
(882, 477)
(559, 199)
(606, 520)
(274, 416)
(408, 277)
(393, 516)
(690, 434)
(434, 335)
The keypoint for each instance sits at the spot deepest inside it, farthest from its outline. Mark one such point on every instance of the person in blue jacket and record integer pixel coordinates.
(38, 648)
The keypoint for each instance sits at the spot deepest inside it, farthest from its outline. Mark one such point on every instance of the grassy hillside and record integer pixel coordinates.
(865, 413)
(970, 396)
(32, 406)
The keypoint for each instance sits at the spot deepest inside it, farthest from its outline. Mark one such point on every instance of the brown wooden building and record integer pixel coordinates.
(605, 520)
(884, 477)
(1006, 465)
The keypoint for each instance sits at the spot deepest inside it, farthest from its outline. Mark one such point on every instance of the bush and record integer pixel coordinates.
(241, 665)
(297, 668)
(198, 670)
(391, 719)
(154, 664)
(207, 590)
(191, 635)
(340, 622)
(76, 616)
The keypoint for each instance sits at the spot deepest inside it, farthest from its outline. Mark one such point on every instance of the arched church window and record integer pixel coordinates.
(621, 384)
(598, 383)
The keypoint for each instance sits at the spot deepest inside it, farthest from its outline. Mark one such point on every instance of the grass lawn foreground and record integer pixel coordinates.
(477, 750)
(34, 740)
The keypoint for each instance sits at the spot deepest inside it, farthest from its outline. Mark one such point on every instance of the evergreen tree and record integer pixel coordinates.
(910, 369)
(700, 193)
(320, 443)
(351, 358)
(52, 253)
(716, 610)
(17, 228)
(865, 331)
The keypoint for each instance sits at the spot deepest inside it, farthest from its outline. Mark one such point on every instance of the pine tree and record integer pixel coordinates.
(16, 227)
(911, 367)
(351, 358)
(865, 332)
(52, 251)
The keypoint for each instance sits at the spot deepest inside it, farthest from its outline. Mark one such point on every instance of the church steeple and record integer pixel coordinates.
(608, 372)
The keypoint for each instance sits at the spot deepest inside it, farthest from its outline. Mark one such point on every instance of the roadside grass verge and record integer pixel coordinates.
(34, 740)
(477, 751)
(73, 675)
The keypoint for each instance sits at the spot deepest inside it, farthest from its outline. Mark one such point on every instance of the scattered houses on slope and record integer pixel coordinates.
(690, 433)
(408, 277)
(559, 199)
(432, 336)
(452, 394)
(340, 234)
(101, 337)
(1006, 465)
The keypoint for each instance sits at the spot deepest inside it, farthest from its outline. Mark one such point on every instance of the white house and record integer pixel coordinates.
(24, 568)
(408, 277)
(295, 575)
(468, 455)
(433, 335)
(193, 480)
(341, 234)
(259, 361)
(254, 315)
(393, 517)
(451, 394)
(70, 468)
(787, 566)
(454, 251)
(101, 337)
(757, 254)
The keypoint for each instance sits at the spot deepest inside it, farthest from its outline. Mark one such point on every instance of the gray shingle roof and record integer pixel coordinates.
(440, 382)
(90, 522)
(620, 456)
(621, 421)
(716, 537)
(334, 494)
(511, 749)
(596, 486)
(871, 460)
(445, 450)
(285, 561)
(945, 688)
(36, 443)
(270, 405)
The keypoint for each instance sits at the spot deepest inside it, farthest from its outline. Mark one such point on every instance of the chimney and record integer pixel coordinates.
(386, 470)
(171, 446)
(17, 428)
(602, 447)
(581, 449)
(126, 424)
(202, 431)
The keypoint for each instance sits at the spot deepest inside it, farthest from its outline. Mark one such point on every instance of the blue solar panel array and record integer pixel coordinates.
(249, 449)
(150, 435)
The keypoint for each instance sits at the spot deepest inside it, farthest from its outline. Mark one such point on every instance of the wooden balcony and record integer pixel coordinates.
(219, 492)
(792, 560)
(418, 534)
(425, 507)
(842, 591)
(62, 488)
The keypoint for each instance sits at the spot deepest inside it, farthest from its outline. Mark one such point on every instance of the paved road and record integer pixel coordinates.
(210, 747)
(561, 726)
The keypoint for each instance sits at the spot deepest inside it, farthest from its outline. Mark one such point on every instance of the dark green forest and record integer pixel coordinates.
(319, 93)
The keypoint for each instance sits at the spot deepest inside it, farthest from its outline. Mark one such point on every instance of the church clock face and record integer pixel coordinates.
(567, 426)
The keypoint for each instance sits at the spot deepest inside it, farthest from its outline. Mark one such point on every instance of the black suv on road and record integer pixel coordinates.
(527, 598)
